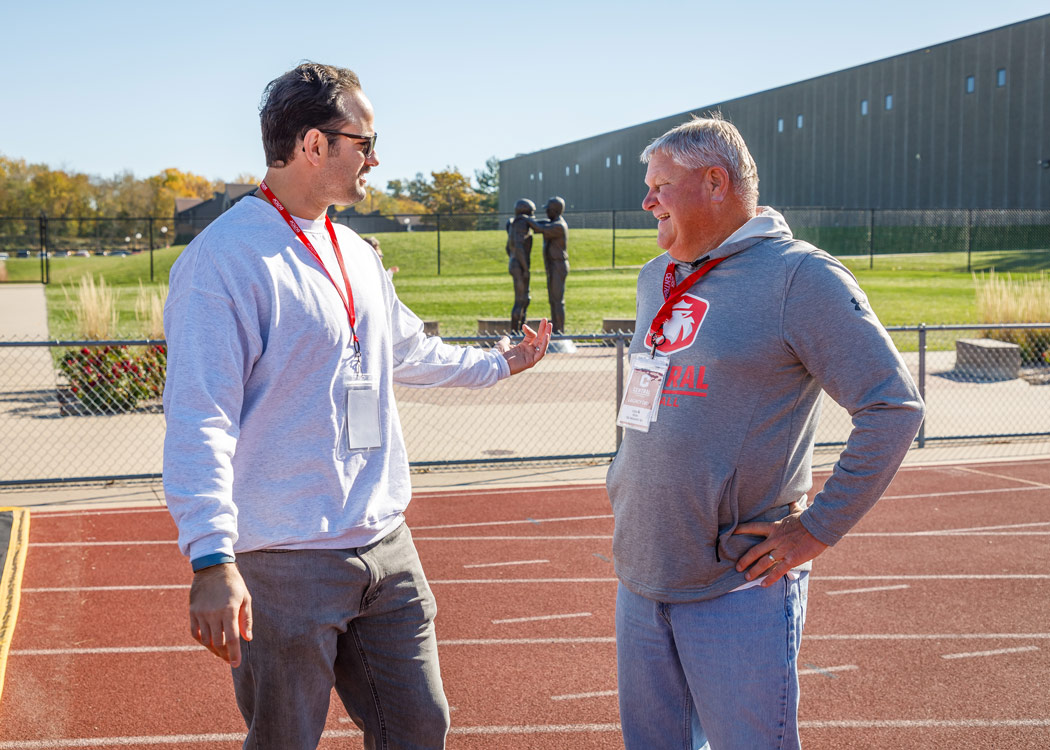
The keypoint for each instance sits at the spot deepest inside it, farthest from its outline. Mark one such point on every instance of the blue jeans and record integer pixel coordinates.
(359, 620)
(718, 674)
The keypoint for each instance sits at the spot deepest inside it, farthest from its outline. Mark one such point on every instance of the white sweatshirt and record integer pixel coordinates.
(259, 356)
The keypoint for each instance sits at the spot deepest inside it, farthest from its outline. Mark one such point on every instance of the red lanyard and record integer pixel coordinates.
(672, 294)
(348, 304)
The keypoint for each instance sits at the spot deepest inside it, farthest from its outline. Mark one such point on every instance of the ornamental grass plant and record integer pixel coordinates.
(94, 309)
(1003, 299)
(149, 310)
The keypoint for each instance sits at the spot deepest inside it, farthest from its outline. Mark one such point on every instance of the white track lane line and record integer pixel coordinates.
(533, 521)
(552, 537)
(509, 562)
(184, 739)
(920, 724)
(571, 641)
(487, 581)
(964, 493)
(868, 590)
(539, 618)
(984, 473)
(43, 515)
(580, 696)
(826, 671)
(997, 652)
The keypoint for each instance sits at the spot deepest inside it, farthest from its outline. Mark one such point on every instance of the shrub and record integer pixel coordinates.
(114, 379)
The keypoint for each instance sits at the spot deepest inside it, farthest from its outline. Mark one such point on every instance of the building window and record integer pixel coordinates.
(577, 169)
(889, 101)
(619, 160)
(798, 122)
(864, 107)
(970, 84)
(780, 124)
(608, 162)
(1000, 77)
(532, 177)
(541, 176)
(566, 171)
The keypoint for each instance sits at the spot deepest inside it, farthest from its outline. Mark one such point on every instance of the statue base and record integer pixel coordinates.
(561, 346)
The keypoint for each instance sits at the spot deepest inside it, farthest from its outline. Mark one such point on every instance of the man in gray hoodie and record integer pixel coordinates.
(746, 326)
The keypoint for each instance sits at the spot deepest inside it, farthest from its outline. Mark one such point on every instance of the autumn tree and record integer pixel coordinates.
(450, 192)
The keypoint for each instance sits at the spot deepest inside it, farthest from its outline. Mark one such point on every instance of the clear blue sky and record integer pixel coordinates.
(112, 86)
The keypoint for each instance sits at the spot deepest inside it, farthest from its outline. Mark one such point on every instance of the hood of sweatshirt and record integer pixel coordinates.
(766, 224)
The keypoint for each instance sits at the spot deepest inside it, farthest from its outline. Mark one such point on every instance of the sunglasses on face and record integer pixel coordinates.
(370, 140)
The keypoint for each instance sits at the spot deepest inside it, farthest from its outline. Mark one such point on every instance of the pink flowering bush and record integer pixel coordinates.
(113, 379)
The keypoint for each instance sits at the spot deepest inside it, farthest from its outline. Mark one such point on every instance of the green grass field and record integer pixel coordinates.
(904, 289)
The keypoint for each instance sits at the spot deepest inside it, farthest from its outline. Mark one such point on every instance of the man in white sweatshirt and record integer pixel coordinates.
(742, 327)
(284, 463)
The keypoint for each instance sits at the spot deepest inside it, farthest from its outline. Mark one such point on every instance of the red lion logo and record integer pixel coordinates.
(680, 330)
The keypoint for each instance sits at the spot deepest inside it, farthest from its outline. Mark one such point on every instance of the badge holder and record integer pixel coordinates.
(641, 397)
(362, 414)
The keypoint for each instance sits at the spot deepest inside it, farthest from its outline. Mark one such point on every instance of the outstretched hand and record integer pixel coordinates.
(529, 350)
(787, 545)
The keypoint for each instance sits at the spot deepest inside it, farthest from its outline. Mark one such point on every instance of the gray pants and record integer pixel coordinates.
(359, 620)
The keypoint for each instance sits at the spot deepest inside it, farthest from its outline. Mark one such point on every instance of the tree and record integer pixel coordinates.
(488, 184)
(450, 192)
(395, 188)
(187, 184)
(416, 188)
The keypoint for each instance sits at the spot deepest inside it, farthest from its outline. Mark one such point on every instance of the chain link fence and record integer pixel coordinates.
(465, 244)
(33, 245)
(78, 410)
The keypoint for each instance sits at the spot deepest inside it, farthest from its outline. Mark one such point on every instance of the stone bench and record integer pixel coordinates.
(501, 326)
(987, 359)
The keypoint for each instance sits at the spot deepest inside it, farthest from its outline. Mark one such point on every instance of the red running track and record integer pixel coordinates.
(928, 626)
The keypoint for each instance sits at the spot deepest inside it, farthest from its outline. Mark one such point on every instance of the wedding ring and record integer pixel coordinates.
(772, 559)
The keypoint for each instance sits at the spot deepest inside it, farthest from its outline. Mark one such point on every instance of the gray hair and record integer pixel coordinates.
(710, 142)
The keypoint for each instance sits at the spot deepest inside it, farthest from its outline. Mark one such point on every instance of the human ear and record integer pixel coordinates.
(315, 143)
(718, 183)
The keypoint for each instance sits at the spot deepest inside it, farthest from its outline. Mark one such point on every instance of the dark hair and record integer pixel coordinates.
(309, 96)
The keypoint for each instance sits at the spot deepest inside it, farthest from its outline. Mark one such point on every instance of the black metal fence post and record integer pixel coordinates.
(44, 268)
(150, 249)
(619, 387)
(969, 237)
(614, 238)
(922, 379)
(871, 238)
(437, 219)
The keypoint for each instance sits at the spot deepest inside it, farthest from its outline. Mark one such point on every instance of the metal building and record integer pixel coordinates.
(963, 124)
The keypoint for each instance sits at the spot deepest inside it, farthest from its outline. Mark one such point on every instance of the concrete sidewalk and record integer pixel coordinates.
(23, 312)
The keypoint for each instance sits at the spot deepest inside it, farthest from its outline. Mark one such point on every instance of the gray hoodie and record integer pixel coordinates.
(750, 351)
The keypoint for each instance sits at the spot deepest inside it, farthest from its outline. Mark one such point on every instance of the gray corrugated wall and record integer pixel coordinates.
(939, 147)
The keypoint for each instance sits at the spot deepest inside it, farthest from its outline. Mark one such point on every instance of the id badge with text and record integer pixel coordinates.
(641, 396)
(362, 414)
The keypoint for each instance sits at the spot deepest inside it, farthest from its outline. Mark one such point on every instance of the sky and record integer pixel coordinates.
(115, 86)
